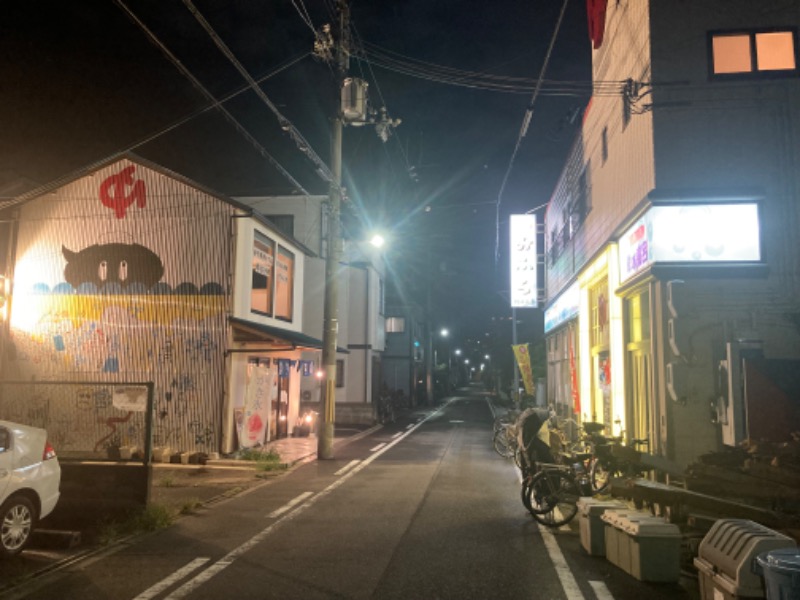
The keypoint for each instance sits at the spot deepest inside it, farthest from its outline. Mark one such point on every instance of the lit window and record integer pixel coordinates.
(767, 52)
(775, 51)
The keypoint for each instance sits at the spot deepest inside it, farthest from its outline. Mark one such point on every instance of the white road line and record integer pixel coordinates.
(347, 467)
(397, 435)
(600, 590)
(289, 505)
(565, 576)
(409, 426)
(162, 585)
(378, 447)
(194, 583)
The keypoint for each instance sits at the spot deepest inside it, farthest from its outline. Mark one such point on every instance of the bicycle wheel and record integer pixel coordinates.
(504, 444)
(526, 493)
(553, 498)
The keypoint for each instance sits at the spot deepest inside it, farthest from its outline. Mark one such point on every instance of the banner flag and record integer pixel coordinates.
(573, 376)
(524, 362)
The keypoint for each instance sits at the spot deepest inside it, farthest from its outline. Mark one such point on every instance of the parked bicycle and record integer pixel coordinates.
(504, 439)
(583, 468)
(608, 460)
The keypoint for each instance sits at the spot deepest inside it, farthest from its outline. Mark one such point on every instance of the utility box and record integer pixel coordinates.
(592, 527)
(725, 558)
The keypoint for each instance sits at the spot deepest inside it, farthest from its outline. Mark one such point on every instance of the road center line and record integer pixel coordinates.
(398, 434)
(378, 447)
(194, 583)
(289, 505)
(347, 467)
(155, 590)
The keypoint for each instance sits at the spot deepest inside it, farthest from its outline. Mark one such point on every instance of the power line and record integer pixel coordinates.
(387, 59)
(202, 89)
(526, 120)
(302, 144)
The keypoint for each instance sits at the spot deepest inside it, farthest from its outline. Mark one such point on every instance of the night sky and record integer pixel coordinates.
(81, 81)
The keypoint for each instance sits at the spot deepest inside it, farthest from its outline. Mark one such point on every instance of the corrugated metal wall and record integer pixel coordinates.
(123, 276)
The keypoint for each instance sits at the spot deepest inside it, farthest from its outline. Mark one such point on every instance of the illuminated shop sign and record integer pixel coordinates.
(523, 261)
(693, 233)
(563, 309)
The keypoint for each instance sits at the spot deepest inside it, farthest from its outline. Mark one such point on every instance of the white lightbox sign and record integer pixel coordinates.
(524, 284)
(706, 232)
(687, 233)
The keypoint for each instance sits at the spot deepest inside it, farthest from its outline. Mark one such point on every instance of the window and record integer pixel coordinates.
(284, 284)
(754, 53)
(395, 324)
(263, 275)
(272, 284)
(339, 373)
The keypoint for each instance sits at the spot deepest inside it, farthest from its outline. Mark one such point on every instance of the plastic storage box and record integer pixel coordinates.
(725, 558)
(654, 549)
(592, 527)
(642, 545)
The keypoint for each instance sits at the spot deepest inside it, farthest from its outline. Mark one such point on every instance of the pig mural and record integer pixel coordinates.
(123, 264)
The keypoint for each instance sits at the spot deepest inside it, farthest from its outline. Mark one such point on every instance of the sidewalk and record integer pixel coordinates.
(184, 488)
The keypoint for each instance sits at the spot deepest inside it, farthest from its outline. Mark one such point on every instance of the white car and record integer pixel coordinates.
(30, 477)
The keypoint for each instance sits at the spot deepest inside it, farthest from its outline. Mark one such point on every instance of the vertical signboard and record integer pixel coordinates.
(523, 259)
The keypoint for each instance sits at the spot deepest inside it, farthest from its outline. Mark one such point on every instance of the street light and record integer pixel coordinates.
(444, 332)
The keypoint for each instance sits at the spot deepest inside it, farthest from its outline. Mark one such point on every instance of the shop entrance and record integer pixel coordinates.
(639, 367)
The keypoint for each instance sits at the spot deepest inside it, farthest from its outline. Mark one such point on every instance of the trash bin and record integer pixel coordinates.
(781, 571)
(727, 554)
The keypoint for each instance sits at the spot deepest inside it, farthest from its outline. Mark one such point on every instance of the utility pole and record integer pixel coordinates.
(331, 310)
(351, 109)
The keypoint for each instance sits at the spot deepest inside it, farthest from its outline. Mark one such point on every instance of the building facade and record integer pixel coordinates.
(128, 273)
(361, 298)
(672, 268)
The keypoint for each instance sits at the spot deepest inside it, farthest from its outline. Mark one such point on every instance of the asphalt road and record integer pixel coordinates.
(421, 510)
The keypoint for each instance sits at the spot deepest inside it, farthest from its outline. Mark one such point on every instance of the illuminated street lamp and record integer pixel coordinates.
(377, 240)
